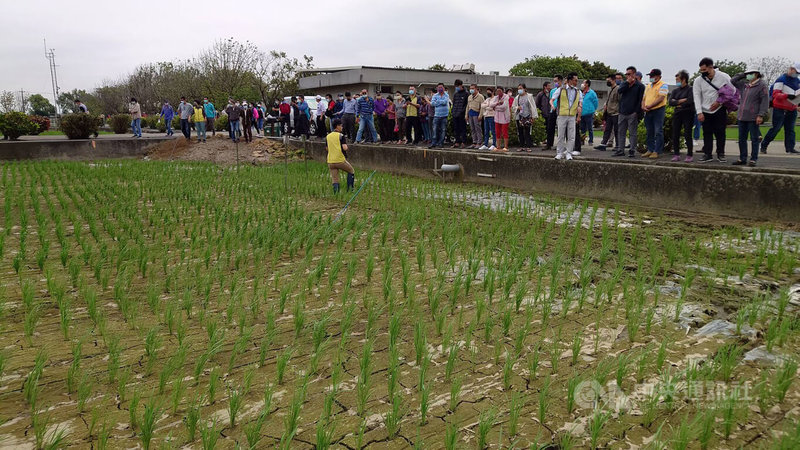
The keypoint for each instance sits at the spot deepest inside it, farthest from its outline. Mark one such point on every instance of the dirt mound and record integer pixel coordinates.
(220, 150)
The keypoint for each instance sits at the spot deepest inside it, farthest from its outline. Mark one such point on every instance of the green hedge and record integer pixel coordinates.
(15, 124)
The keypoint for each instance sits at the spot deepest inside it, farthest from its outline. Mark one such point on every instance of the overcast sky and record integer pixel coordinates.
(105, 39)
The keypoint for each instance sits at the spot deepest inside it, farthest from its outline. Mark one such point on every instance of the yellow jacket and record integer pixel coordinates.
(199, 115)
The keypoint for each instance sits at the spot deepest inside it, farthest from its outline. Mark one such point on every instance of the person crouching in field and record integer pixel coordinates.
(337, 146)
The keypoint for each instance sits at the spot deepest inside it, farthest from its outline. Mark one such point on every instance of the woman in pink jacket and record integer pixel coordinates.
(502, 117)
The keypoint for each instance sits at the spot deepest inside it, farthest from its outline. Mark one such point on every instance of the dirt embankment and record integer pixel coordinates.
(220, 150)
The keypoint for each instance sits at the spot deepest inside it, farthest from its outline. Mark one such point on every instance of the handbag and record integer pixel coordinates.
(727, 97)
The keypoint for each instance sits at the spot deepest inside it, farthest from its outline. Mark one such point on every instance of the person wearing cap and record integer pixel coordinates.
(709, 111)
(654, 105)
(682, 100)
(631, 92)
(784, 94)
(753, 108)
(322, 106)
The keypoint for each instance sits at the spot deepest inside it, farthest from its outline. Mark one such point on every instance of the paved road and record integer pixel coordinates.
(776, 159)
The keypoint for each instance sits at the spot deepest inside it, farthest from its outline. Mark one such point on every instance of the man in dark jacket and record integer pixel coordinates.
(234, 113)
(459, 111)
(248, 122)
(631, 92)
(682, 99)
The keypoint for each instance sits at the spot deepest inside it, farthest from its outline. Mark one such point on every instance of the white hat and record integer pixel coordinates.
(319, 97)
(797, 66)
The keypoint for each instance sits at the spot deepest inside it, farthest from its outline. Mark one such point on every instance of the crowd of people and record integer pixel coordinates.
(568, 112)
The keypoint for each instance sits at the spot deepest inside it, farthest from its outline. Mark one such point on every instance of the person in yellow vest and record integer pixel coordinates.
(568, 102)
(654, 105)
(337, 146)
(199, 118)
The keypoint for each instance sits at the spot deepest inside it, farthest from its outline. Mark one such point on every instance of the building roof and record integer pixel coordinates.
(405, 69)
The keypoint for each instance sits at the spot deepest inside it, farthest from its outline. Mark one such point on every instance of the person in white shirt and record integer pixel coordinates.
(711, 113)
(525, 112)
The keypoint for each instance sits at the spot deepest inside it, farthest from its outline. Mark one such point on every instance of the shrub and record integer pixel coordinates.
(15, 124)
(642, 137)
(42, 124)
(161, 125)
(221, 124)
(731, 119)
(80, 126)
(120, 123)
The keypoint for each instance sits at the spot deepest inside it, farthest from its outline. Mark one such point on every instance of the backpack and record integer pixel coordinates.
(728, 97)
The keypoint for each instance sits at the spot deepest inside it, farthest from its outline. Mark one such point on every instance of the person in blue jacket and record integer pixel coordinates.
(589, 107)
(167, 113)
(441, 108)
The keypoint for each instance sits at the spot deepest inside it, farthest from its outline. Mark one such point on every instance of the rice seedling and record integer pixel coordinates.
(209, 434)
(152, 411)
(192, 418)
(282, 362)
(544, 401)
(704, 423)
(455, 393)
(213, 383)
(486, 421)
(132, 407)
(572, 384)
(451, 436)
(577, 341)
(291, 420)
(729, 412)
(508, 371)
(516, 404)
(784, 377)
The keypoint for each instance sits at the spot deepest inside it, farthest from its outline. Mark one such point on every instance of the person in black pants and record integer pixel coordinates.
(459, 113)
(682, 99)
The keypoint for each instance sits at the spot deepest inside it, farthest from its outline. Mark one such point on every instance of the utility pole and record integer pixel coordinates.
(51, 56)
(22, 101)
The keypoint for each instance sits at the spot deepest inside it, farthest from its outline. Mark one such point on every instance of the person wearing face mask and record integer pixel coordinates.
(199, 118)
(590, 103)
(349, 116)
(424, 113)
(502, 117)
(543, 104)
(753, 108)
(391, 119)
(567, 101)
(304, 120)
(711, 113)
(558, 80)
(366, 109)
(459, 113)
(400, 117)
(441, 108)
(185, 112)
(136, 115)
(412, 117)
(211, 115)
(785, 94)
(487, 115)
(610, 113)
(234, 113)
(654, 105)
(631, 93)
(474, 102)
(682, 100)
(322, 107)
(285, 110)
(380, 112)
(524, 112)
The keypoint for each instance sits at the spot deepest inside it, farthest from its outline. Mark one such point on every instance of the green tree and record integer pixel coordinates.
(8, 102)
(66, 101)
(41, 106)
(438, 67)
(548, 66)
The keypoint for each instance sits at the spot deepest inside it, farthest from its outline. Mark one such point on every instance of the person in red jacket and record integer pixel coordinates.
(785, 92)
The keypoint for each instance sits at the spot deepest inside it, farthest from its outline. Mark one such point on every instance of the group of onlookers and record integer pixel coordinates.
(569, 111)
(201, 116)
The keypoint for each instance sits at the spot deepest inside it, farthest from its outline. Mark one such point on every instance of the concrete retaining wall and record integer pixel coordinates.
(737, 193)
(75, 150)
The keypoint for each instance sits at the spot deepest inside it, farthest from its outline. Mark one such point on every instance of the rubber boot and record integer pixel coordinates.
(351, 181)
(335, 188)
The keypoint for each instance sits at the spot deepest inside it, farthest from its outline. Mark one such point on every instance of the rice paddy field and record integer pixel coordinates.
(189, 305)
